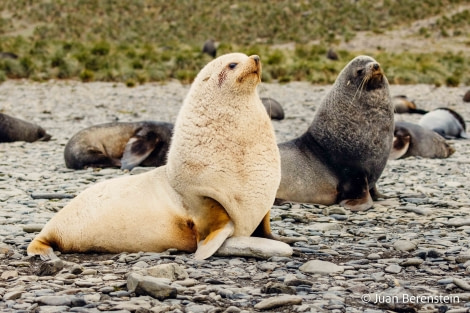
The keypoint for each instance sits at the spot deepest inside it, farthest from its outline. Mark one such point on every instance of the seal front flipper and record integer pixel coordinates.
(213, 241)
(138, 148)
(353, 190)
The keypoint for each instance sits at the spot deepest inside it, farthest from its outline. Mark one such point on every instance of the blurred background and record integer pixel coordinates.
(139, 41)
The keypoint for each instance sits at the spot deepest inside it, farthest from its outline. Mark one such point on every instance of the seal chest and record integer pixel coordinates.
(223, 159)
(345, 149)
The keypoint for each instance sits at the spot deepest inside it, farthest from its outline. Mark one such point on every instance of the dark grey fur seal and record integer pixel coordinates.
(466, 96)
(15, 129)
(119, 144)
(273, 108)
(446, 122)
(344, 151)
(402, 104)
(413, 140)
(210, 48)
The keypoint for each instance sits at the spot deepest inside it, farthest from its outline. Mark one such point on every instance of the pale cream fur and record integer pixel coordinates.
(224, 146)
(131, 213)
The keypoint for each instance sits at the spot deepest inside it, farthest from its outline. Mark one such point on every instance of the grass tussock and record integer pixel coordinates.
(139, 41)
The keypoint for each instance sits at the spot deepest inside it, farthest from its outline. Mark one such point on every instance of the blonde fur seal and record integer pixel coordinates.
(223, 159)
(220, 181)
(344, 151)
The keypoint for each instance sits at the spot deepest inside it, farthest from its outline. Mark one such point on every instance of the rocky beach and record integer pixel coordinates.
(410, 253)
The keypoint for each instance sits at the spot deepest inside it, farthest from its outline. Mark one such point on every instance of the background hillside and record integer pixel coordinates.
(136, 41)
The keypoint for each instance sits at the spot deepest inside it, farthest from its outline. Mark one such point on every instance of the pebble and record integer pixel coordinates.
(254, 247)
(275, 302)
(321, 267)
(415, 242)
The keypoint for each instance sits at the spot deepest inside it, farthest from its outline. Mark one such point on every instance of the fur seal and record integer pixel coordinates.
(344, 151)
(210, 48)
(224, 159)
(273, 108)
(413, 140)
(446, 122)
(220, 180)
(119, 144)
(15, 129)
(402, 104)
(466, 96)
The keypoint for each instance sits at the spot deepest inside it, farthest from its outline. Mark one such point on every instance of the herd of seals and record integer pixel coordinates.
(219, 169)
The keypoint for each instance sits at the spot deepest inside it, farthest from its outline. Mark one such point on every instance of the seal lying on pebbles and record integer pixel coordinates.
(413, 140)
(273, 108)
(446, 122)
(344, 151)
(402, 104)
(223, 159)
(220, 181)
(119, 144)
(15, 129)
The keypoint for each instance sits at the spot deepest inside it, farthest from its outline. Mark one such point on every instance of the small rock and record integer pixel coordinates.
(50, 268)
(254, 247)
(273, 287)
(393, 269)
(9, 275)
(275, 302)
(321, 267)
(172, 271)
(66, 300)
(158, 288)
(404, 245)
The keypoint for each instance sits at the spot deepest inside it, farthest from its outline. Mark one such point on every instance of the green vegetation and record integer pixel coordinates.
(137, 41)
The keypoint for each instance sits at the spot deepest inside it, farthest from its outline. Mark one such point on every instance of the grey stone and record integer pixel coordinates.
(254, 247)
(275, 302)
(172, 271)
(321, 267)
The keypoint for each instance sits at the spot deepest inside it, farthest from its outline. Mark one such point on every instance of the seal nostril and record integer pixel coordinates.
(376, 66)
(256, 58)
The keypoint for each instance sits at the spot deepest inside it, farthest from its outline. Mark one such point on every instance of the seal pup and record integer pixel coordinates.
(119, 144)
(413, 140)
(402, 104)
(15, 129)
(224, 160)
(220, 181)
(273, 108)
(446, 122)
(344, 151)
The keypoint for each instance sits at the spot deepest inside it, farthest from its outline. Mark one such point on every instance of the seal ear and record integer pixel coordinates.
(138, 148)
(213, 241)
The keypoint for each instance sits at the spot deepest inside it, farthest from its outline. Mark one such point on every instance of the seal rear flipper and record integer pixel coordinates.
(213, 241)
(137, 149)
(44, 250)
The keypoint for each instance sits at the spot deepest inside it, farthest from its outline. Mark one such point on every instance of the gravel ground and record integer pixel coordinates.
(410, 253)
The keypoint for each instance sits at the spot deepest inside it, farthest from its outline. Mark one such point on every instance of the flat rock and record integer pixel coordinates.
(254, 247)
(321, 267)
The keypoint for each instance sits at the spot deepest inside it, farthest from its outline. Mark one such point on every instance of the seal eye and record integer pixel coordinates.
(232, 65)
(359, 72)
